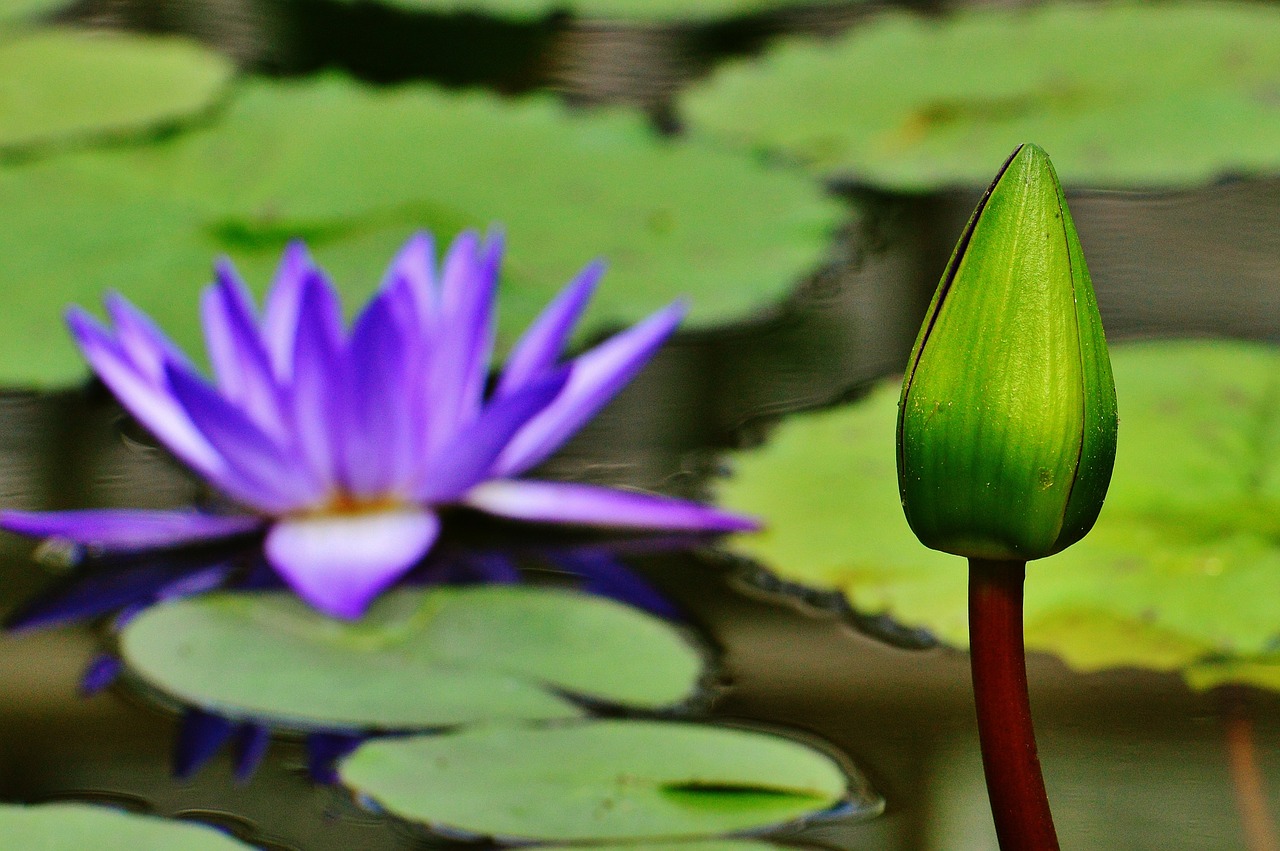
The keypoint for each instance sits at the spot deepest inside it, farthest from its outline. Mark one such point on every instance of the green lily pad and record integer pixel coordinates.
(281, 163)
(673, 11)
(74, 827)
(418, 659)
(1119, 95)
(64, 85)
(1178, 574)
(21, 11)
(603, 780)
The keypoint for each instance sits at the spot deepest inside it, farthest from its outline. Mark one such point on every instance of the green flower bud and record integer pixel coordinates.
(1007, 422)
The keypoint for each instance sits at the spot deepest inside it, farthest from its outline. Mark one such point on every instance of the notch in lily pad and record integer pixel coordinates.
(607, 780)
(1006, 442)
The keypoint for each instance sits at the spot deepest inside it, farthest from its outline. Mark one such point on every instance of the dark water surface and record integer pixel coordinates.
(1133, 760)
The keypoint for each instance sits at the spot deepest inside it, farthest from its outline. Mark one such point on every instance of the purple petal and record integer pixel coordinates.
(237, 351)
(540, 347)
(463, 341)
(467, 459)
(258, 471)
(377, 435)
(315, 394)
(103, 670)
(597, 377)
(251, 748)
(414, 269)
(338, 563)
(142, 342)
(280, 319)
(590, 505)
(91, 594)
(123, 529)
(200, 735)
(146, 398)
(605, 576)
(324, 749)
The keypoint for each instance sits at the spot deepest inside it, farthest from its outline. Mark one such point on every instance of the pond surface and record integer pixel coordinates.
(1132, 760)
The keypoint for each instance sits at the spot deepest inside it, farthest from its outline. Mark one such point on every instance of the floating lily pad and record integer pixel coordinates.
(603, 780)
(1120, 95)
(74, 827)
(419, 659)
(284, 161)
(19, 11)
(1178, 574)
(673, 11)
(64, 85)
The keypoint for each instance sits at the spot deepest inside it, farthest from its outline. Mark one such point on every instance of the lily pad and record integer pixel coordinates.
(650, 11)
(1120, 95)
(281, 163)
(20, 11)
(602, 780)
(1178, 574)
(74, 827)
(64, 85)
(419, 659)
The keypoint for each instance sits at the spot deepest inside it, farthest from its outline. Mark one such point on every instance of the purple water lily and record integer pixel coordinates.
(342, 444)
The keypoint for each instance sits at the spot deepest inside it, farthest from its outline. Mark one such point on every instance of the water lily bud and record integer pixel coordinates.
(1007, 422)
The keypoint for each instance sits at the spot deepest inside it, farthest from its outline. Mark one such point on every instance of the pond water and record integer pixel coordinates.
(1132, 760)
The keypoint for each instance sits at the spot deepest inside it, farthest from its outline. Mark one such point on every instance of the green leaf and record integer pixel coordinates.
(1128, 95)
(605, 780)
(647, 11)
(1178, 574)
(63, 85)
(24, 11)
(281, 163)
(418, 659)
(74, 827)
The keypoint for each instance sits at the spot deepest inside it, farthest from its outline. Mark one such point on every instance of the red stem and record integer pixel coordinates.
(1019, 803)
(1246, 774)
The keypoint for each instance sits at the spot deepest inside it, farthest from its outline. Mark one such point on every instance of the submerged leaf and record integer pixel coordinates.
(418, 659)
(64, 85)
(1118, 94)
(280, 163)
(77, 826)
(1178, 574)
(601, 780)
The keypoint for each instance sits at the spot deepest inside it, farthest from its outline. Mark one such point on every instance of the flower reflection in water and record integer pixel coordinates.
(117, 587)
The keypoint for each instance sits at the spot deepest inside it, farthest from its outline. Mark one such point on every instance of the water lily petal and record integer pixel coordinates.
(541, 346)
(339, 562)
(314, 395)
(124, 529)
(142, 342)
(467, 459)
(414, 270)
(376, 432)
(280, 316)
(147, 399)
(464, 339)
(597, 377)
(591, 505)
(251, 747)
(257, 470)
(201, 735)
(237, 351)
